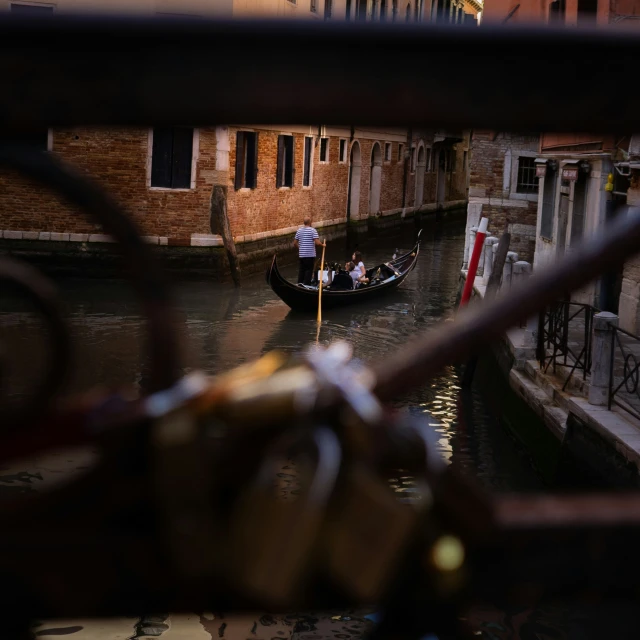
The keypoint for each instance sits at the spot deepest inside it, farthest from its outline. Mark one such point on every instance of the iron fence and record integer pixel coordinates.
(624, 372)
(564, 337)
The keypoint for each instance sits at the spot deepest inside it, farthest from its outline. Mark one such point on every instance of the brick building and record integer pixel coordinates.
(570, 171)
(275, 177)
(503, 187)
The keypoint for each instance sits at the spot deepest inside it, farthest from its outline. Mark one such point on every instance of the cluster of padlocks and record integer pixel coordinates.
(341, 524)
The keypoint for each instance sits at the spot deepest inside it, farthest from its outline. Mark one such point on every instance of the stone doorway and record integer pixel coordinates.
(421, 167)
(375, 183)
(355, 167)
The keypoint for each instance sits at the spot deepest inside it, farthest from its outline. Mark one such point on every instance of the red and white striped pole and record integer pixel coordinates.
(473, 262)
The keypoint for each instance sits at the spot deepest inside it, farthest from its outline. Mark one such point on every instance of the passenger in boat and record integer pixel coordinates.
(354, 272)
(357, 260)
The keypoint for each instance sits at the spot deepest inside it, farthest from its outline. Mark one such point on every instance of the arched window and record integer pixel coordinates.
(383, 10)
(408, 13)
(394, 10)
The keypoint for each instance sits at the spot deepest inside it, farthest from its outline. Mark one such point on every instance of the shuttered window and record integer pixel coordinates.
(343, 151)
(308, 153)
(171, 157)
(36, 141)
(285, 170)
(324, 149)
(246, 160)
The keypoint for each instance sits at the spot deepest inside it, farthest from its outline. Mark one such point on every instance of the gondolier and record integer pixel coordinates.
(305, 241)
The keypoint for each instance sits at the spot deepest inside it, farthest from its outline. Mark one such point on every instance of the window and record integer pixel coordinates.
(428, 161)
(383, 10)
(38, 141)
(172, 157)
(527, 179)
(464, 161)
(246, 160)
(400, 152)
(454, 159)
(413, 159)
(343, 151)
(362, 10)
(387, 151)
(348, 11)
(285, 170)
(327, 9)
(308, 154)
(31, 9)
(314, 6)
(324, 149)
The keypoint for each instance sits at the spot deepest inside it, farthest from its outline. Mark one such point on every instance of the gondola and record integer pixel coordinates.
(384, 278)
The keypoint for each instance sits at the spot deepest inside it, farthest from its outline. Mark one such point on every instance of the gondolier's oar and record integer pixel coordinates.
(324, 246)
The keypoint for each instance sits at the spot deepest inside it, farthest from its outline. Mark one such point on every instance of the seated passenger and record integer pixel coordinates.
(354, 272)
(357, 260)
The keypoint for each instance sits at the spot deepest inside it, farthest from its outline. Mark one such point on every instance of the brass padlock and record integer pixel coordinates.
(273, 531)
(367, 534)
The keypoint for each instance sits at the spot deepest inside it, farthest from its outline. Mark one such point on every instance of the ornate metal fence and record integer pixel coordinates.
(624, 373)
(564, 337)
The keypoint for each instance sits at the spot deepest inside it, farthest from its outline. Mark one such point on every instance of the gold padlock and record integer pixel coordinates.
(274, 531)
(367, 534)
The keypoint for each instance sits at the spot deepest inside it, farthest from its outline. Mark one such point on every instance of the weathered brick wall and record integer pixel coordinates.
(117, 160)
(487, 187)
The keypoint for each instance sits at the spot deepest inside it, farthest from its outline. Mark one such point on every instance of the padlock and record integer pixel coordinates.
(373, 526)
(272, 536)
(367, 534)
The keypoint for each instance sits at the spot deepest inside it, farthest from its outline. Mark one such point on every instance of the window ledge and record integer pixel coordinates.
(547, 240)
(184, 189)
(245, 190)
(531, 197)
(323, 162)
(307, 188)
(284, 188)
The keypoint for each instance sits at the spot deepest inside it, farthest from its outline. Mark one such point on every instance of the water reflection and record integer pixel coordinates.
(223, 327)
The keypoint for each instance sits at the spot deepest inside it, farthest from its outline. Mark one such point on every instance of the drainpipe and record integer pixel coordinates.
(407, 157)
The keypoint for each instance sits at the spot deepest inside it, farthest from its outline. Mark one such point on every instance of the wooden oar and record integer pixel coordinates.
(324, 246)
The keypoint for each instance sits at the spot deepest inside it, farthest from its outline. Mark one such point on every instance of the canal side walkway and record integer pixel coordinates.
(607, 441)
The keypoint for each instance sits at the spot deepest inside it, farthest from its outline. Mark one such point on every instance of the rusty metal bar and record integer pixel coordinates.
(474, 327)
(71, 71)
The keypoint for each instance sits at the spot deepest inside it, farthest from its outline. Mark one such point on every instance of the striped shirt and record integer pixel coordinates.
(306, 240)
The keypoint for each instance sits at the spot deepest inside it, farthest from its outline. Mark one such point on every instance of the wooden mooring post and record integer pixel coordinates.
(220, 220)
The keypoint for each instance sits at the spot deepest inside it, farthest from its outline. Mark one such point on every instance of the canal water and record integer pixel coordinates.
(223, 328)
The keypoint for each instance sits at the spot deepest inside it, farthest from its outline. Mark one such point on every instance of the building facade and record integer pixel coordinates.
(455, 11)
(567, 186)
(275, 176)
(503, 187)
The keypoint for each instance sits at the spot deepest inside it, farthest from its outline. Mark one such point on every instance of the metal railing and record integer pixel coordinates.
(565, 332)
(624, 372)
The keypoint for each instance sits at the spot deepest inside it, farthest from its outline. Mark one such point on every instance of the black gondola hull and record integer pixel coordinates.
(303, 299)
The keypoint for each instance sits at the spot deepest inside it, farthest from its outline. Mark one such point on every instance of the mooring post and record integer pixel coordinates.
(219, 215)
(488, 258)
(601, 352)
